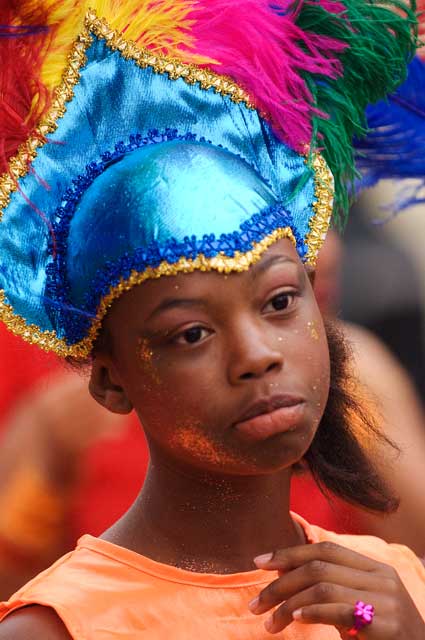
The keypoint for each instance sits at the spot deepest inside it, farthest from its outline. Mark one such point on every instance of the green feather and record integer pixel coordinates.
(370, 73)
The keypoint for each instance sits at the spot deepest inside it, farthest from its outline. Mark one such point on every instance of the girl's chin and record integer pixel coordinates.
(279, 452)
(275, 459)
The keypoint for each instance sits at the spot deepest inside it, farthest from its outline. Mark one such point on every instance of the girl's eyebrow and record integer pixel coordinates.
(256, 270)
(269, 262)
(173, 303)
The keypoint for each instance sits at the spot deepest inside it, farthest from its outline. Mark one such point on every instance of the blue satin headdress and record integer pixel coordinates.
(147, 173)
(147, 166)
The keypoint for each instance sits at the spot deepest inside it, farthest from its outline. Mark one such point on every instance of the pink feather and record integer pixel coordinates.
(266, 53)
(421, 9)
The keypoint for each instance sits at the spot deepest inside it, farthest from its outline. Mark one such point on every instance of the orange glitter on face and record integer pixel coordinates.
(145, 351)
(194, 441)
(146, 355)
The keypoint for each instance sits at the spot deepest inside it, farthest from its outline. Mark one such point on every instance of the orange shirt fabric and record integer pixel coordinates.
(104, 592)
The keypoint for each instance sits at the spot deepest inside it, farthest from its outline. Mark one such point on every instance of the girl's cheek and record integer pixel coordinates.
(312, 330)
(317, 357)
(192, 440)
(149, 365)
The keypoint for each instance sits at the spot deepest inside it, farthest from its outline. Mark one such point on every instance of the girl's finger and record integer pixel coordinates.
(293, 557)
(316, 573)
(318, 595)
(339, 615)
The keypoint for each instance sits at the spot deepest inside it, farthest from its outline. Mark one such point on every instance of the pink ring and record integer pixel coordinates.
(363, 616)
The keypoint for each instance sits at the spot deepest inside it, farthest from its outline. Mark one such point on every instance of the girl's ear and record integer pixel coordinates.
(106, 389)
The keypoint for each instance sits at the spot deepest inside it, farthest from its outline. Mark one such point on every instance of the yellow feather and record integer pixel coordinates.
(158, 24)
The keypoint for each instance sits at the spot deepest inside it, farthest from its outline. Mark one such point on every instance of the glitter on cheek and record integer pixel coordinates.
(146, 358)
(313, 330)
(145, 351)
(191, 439)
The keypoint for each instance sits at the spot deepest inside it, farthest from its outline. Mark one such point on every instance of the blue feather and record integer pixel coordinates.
(395, 144)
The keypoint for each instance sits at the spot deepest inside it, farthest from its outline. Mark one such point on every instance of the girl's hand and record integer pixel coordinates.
(321, 583)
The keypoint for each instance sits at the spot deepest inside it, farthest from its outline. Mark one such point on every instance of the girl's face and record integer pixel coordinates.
(226, 373)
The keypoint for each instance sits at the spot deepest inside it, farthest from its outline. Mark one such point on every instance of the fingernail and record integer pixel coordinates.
(253, 604)
(297, 614)
(263, 559)
(269, 624)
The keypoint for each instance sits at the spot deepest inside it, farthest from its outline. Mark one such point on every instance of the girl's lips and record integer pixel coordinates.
(269, 424)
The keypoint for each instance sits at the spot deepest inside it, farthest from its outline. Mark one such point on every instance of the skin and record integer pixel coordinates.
(242, 337)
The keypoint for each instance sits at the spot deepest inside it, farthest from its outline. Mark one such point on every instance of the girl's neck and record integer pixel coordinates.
(208, 523)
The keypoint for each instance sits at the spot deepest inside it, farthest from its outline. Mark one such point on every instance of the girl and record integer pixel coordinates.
(180, 262)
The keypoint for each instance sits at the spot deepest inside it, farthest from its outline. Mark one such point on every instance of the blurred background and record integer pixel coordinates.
(69, 467)
(383, 275)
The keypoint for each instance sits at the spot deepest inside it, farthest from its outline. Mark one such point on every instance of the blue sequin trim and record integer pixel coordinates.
(75, 323)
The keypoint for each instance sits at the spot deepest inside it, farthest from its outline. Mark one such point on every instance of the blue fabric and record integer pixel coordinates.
(165, 175)
(114, 100)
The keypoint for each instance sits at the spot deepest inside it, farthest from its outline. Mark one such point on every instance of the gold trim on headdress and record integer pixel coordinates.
(322, 207)
(49, 341)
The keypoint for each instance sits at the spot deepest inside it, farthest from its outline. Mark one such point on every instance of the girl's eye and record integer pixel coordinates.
(192, 335)
(281, 301)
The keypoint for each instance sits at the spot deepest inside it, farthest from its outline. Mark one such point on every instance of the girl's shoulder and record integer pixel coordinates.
(35, 622)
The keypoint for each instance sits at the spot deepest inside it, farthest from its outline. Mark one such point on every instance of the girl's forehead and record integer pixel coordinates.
(200, 285)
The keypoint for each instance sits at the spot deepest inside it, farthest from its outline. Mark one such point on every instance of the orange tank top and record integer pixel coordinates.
(102, 592)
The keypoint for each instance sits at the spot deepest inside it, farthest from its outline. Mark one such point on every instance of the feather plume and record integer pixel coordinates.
(395, 144)
(311, 66)
(268, 55)
(161, 25)
(23, 96)
(421, 18)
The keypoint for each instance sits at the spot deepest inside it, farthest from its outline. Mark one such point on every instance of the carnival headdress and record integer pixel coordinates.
(168, 136)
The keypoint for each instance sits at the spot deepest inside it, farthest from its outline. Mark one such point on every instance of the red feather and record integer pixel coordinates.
(23, 97)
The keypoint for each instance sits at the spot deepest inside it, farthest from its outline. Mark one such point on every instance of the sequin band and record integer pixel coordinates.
(322, 207)
(49, 341)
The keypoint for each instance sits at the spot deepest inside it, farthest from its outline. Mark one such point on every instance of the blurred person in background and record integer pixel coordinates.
(390, 392)
(380, 290)
(60, 474)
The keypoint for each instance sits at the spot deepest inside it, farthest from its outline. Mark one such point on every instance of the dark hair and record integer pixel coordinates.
(339, 457)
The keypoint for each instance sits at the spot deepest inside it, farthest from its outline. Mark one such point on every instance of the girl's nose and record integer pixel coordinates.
(252, 355)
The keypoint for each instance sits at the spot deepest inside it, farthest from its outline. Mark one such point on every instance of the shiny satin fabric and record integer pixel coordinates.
(114, 99)
(162, 192)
